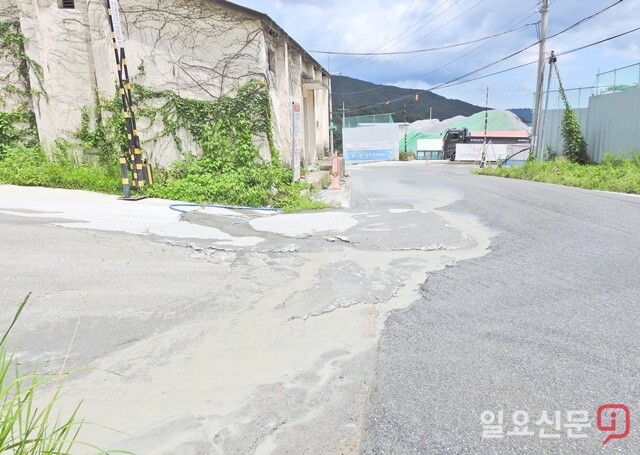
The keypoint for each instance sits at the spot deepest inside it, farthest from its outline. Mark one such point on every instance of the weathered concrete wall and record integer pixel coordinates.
(195, 48)
(9, 63)
(322, 119)
(59, 40)
(279, 89)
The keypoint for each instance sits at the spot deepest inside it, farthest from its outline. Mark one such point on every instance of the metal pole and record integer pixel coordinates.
(544, 11)
(405, 131)
(287, 73)
(552, 60)
(483, 159)
(330, 120)
(343, 111)
(133, 140)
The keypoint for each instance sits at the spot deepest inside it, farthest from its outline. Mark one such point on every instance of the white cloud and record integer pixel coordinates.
(367, 25)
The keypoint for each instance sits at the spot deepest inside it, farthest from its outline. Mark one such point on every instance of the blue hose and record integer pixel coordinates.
(232, 207)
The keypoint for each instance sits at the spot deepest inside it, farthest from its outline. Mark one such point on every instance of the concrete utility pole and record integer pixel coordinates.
(405, 130)
(330, 119)
(343, 110)
(552, 61)
(540, 82)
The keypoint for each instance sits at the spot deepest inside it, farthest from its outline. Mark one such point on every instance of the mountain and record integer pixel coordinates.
(363, 98)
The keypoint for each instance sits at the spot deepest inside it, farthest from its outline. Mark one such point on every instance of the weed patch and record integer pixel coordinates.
(613, 174)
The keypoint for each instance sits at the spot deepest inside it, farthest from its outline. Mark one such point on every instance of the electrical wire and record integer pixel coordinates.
(580, 22)
(599, 42)
(451, 82)
(389, 42)
(430, 49)
(365, 64)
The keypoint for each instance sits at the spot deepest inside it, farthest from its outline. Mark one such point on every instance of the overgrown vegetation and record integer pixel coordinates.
(31, 167)
(26, 428)
(621, 174)
(17, 123)
(406, 156)
(574, 144)
(230, 169)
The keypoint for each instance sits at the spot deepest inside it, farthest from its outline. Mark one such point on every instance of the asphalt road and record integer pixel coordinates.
(549, 320)
(222, 332)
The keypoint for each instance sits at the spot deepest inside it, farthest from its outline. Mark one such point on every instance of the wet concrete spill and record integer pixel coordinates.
(285, 364)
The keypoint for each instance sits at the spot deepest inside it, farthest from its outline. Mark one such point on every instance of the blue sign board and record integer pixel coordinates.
(369, 155)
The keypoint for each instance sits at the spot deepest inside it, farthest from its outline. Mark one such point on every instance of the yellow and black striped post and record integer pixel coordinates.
(138, 171)
(124, 173)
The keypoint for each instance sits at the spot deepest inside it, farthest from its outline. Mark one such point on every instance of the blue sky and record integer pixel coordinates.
(407, 25)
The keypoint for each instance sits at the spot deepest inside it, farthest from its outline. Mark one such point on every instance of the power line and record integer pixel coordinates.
(600, 42)
(430, 49)
(460, 57)
(512, 24)
(585, 19)
(447, 85)
(581, 21)
(359, 60)
(487, 75)
(451, 82)
(363, 65)
(444, 25)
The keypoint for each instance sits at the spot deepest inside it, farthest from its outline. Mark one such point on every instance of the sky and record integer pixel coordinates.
(370, 26)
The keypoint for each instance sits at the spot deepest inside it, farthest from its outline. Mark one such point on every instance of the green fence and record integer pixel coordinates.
(364, 120)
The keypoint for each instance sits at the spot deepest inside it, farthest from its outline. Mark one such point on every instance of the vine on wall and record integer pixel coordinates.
(224, 129)
(19, 124)
(229, 168)
(574, 144)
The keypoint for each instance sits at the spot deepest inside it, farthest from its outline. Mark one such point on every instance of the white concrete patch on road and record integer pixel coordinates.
(304, 224)
(400, 210)
(144, 217)
(196, 231)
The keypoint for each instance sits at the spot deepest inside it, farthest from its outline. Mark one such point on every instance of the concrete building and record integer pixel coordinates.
(199, 49)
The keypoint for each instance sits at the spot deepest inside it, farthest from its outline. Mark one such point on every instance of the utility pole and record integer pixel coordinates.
(330, 119)
(343, 110)
(540, 81)
(552, 61)
(483, 158)
(405, 131)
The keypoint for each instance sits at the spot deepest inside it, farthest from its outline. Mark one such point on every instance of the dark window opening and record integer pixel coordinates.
(66, 4)
(271, 58)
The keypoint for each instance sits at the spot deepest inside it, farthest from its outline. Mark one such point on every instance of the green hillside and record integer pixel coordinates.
(357, 94)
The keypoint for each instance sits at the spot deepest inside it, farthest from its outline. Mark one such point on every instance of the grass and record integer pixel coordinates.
(31, 167)
(189, 181)
(25, 428)
(613, 174)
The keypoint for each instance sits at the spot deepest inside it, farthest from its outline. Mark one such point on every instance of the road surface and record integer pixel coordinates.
(390, 327)
(548, 321)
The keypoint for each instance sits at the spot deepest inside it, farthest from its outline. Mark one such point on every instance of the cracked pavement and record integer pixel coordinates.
(222, 331)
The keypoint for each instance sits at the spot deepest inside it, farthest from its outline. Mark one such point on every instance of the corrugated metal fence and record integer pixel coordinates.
(610, 117)
(611, 124)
